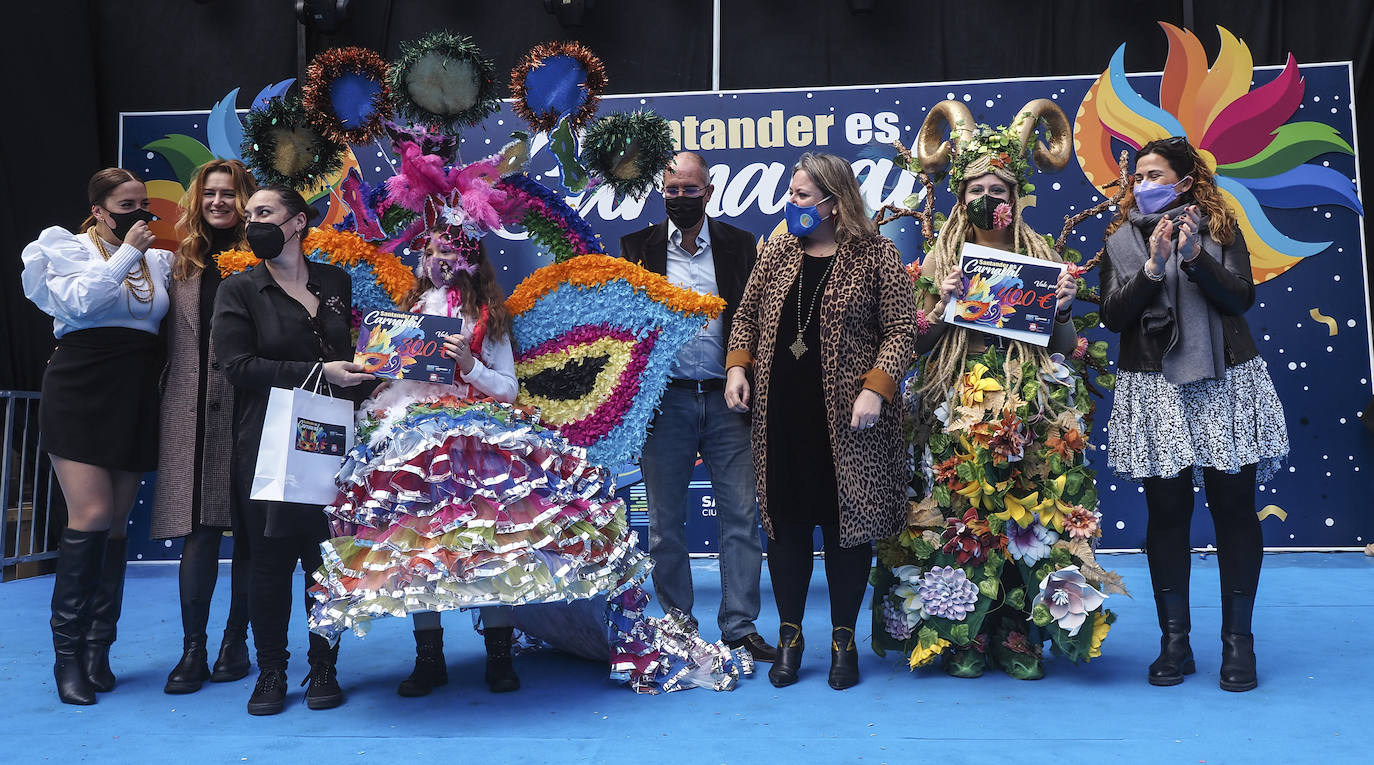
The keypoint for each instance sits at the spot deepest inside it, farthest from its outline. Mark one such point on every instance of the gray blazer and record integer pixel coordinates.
(176, 472)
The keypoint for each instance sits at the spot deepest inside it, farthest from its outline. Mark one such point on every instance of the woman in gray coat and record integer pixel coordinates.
(194, 500)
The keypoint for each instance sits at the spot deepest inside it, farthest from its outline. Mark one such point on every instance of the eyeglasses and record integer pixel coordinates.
(683, 191)
(1175, 140)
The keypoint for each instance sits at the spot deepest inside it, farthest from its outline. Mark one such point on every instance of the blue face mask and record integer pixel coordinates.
(1152, 197)
(803, 220)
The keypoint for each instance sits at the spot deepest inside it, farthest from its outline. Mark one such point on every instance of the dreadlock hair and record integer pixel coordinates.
(1184, 160)
(945, 363)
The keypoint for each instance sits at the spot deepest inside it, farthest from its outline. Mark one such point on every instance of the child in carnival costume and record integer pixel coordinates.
(997, 554)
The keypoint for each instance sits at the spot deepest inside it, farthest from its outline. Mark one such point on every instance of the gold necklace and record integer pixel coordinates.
(138, 286)
(798, 346)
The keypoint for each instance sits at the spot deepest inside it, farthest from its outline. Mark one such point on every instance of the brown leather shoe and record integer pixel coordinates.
(756, 646)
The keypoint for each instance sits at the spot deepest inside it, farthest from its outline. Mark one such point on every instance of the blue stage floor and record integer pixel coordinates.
(1313, 635)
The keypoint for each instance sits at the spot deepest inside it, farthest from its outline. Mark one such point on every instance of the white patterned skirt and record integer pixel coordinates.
(1158, 429)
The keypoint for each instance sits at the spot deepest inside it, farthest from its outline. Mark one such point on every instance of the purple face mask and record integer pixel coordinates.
(456, 255)
(1152, 197)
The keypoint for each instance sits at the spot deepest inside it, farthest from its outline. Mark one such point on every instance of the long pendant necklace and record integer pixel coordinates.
(138, 286)
(798, 346)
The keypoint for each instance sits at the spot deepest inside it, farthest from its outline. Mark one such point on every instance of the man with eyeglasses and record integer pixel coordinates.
(714, 258)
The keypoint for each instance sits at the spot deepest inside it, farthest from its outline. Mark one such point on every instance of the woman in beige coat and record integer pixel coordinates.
(827, 325)
(193, 500)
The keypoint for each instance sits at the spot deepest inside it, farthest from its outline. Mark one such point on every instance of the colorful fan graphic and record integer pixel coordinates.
(1260, 159)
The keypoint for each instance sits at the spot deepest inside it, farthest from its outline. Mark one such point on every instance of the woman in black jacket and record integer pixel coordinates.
(1194, 404)
(273, 324)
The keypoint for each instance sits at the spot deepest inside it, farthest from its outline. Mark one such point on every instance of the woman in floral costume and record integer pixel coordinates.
(997, 554)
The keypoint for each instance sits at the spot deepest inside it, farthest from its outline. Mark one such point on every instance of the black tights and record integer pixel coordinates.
(198, 573)
(1240, 543)
(789, 567)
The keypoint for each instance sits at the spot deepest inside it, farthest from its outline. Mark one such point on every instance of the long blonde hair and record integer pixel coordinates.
(834, 176)
(195, 241)
(946, 360)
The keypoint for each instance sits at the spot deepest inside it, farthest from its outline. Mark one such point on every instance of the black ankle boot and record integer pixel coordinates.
(193, 669)
(269, 694)
(78, 573)
(324, 691)
(430, 670)
(500, 675)
(105, 607)
(1237, 644)
(844, 659)
(232, 663)
(790, 647)
(1175, 654)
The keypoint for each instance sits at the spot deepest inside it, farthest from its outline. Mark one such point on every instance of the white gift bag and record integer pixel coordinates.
(305, 436)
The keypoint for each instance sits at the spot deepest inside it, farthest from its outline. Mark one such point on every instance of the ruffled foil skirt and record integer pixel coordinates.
(447, 503)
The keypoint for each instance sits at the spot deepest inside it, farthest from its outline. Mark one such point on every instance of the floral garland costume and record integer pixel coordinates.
(997, 557)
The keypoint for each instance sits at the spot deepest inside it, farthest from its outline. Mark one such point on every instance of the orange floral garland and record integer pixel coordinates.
(596, 270)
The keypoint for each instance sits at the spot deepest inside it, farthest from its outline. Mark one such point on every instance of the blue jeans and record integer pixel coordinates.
(689, 423)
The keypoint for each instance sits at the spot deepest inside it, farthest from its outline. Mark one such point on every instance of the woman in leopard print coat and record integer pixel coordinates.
(827, 326)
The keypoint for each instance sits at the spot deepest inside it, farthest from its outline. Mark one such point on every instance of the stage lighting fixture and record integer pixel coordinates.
(569, 12)
(326, 16)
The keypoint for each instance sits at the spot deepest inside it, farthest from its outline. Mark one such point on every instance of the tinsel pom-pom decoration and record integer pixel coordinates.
(548, 219)
(346, 95)
(595, 340)
(556, 80)
(281, 146)
(628, 150)
(442, 80)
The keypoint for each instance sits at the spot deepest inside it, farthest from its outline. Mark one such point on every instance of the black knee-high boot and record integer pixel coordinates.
(196, 579)
(1170, 505)
(105, 607)
(78, 573)
(1240, 554)
(232, 663)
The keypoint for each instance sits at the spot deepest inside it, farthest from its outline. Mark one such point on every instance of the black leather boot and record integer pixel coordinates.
(1237, 643)
(232, 663)
(105, 606)
(844, 659)
(500, 674)
(1175, 654)
(269, 694)
(78, 572)
(790, 648)
(324, 691)
(430, 670)
(193, 669)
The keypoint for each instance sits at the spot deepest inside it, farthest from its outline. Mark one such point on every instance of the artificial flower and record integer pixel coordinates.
(1007, 441)
(923, 655)
(1022, 510)
(975, 385)
(1069, 598)
(1059, 372)
(1031, 544)
(1067, 445)
(1017, 642)
(1053, 510)
(947, 593)
(1100, 630)
(948, 471)
(1001, 216)
(898, 621)
(1081, 349)
(968, 539)
(1082, 523)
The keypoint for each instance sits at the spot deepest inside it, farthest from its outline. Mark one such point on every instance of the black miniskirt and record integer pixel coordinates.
(100, 398)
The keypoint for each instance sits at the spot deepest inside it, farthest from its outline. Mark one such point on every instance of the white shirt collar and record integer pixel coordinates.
(703, 236)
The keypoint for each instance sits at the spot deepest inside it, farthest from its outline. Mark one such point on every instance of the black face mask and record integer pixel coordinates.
(980, 211)
(266, 239)
(685, 212)
(125, 221)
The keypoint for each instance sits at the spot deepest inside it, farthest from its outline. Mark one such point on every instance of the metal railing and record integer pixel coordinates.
(33, 503)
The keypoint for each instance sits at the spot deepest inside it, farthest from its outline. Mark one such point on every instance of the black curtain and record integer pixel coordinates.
(75, 65)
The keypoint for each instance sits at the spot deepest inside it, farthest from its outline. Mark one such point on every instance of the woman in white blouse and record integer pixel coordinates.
(106, 289)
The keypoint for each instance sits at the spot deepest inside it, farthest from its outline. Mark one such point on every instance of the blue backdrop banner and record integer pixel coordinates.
(1311, 321)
